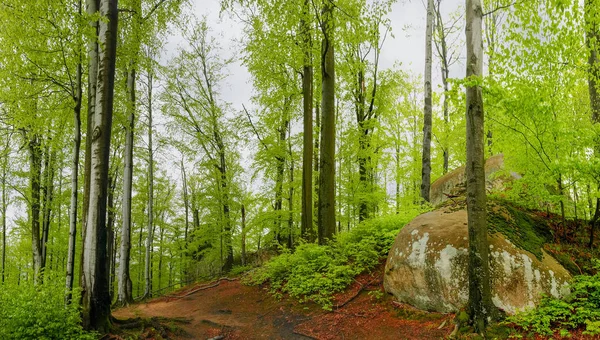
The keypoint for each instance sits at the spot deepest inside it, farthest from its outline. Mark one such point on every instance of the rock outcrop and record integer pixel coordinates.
(427, 266)
(453, 183)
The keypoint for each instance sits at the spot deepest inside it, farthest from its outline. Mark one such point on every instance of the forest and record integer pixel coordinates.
(142, 191)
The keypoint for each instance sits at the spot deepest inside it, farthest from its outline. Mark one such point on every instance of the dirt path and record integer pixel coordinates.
(235, 311)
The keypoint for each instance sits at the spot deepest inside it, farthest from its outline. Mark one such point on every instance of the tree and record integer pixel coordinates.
(592, 30)
(306, 226)
(427, 109)
(480, 296)
(326, 211)
(96, 296)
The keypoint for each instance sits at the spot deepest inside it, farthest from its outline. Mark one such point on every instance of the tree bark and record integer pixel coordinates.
(124, 295)
(35, 159)
(149, 234)
(307, 231)
(326, 212)
(95, 295)
(4, 208)
(186, 203)
(243, 238)
(48, 190)
(74, 178)
(592, 25)
(481, 307)
(427, 110)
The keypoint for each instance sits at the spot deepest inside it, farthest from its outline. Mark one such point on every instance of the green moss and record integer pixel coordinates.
(522, 228)
(565, 261)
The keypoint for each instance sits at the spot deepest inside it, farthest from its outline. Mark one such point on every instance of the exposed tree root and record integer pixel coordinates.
(207, 286)
(362, 287)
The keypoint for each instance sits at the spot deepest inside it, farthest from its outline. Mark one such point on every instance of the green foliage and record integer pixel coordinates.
(580, 309)
(39, 312)
(315, 273)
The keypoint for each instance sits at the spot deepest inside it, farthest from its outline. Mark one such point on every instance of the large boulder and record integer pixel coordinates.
(427, 265)
(454, 182)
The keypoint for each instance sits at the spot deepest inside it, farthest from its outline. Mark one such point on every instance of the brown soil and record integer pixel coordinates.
(235, 311)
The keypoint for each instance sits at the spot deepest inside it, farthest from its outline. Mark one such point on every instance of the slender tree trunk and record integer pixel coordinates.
(427, 111)
(124, 296)
(95, 296)
(110, 240)
(442, 48)
(290, 240)
(74, 179)
(4, 208)
(149, 234)
(186, 204)
(307, 231)
(326, 212)
(160, 256)
(592, 24)
(481, 307)
(49, 169)
(243, 235)
(35, 166)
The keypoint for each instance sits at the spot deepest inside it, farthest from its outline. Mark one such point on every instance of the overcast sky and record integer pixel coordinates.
(407, 46)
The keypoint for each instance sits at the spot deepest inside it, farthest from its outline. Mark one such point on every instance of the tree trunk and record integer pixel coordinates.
(4, 208)
(124, 295)
(74, 180)
(186, 203)
(110, 240)
(290, 240)
(149, 234)
(243, 235)
(48, 190)
(35, 159)
(427, 111)
(481, 307)
(326, 212)
(95, 296)
(442, 48)
(307, 231)
(592, 25)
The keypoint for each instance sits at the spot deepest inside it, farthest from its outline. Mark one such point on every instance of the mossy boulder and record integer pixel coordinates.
(427, 265)
(454, 182)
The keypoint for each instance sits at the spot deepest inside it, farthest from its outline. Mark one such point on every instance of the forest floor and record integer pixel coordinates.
(231, 310)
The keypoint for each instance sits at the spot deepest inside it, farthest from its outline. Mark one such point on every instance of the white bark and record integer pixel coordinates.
(124, 281)
(149, 236)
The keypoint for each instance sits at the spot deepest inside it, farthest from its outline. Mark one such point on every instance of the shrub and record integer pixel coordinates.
(39, 312)
(315, 273)
(580, 309)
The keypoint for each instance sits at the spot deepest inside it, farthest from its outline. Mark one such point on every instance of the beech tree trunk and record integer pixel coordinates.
(124, 294)
(427, 110)
(307, 231)
(592, 25)
(74, 181)
(95, 295)
(35, 159)
(243, 238)
(326, 212)
(4, 208)
(481, 307)
(150, 231)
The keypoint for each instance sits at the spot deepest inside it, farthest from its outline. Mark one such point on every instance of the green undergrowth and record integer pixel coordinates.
(315, 273)
(39, 312)
(579, 310)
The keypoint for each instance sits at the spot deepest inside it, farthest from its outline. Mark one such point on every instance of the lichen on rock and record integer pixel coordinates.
(427, 265)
